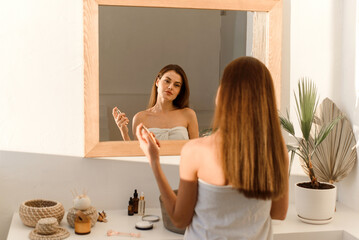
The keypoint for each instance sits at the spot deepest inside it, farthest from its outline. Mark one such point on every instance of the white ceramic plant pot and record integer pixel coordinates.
(316, 206)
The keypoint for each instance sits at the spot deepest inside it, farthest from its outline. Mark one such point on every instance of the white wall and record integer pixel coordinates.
(41, 77)
(348, 86)
(323, 43)
(310, 49)
(316, 43)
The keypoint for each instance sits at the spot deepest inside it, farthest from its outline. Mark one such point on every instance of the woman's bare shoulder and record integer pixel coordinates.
(194, 152)
(142, 115)
(188, 111)
(198, 145)
(189, 114)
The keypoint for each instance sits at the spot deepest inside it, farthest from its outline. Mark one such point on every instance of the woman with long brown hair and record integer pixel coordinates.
(234, 181)
(168, 114)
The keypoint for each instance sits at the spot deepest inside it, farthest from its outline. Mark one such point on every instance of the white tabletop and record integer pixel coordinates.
(345, 225)
(118, 220)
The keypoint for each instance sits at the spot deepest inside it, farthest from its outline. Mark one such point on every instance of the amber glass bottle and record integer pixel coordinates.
(130, 207)
(135, 201)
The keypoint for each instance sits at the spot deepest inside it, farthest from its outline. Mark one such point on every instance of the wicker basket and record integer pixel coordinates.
(33, 210)
(91, 213)
(47, 226)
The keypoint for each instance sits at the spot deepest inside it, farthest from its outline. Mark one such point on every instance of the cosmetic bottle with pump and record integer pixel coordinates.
(130, 207)
(141, 204)
(135, 201)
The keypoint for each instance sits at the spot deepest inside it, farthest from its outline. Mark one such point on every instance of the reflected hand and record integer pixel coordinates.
(121, 120)
(149, 144)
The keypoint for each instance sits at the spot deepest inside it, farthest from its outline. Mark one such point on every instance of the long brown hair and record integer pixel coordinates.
(252, 147)
(182, 100)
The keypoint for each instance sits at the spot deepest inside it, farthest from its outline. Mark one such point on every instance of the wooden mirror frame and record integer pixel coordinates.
(266, 46)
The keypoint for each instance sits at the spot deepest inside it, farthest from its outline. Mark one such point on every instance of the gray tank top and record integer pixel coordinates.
(222, 213)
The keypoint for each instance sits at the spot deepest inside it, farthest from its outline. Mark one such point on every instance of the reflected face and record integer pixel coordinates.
(169, 85)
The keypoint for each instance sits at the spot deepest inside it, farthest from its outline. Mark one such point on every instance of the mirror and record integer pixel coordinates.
(136, 42)
(265, 43)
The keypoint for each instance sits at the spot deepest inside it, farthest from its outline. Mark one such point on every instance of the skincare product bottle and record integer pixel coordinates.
(141, 204)
(135, 201)
(82, 223)
(130, 207)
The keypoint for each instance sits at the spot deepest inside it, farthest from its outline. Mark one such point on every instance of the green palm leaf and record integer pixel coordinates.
(324, 131)
(306, 103)
(292, 154)
(287, 124)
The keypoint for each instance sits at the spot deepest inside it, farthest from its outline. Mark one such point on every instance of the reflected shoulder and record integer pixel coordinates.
(138, 118)
(188, 110)
(140, 115)
(190, 113)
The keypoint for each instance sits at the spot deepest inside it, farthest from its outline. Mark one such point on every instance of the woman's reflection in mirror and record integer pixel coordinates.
(168, 115)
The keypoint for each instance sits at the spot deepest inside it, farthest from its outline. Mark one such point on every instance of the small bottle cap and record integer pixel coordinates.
(135, 194)
(131, 201)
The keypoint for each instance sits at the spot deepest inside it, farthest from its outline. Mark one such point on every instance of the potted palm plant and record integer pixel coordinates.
(314, 200)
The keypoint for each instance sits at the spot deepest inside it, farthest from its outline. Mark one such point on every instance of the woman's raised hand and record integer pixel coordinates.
(121, 122)
(148, 143)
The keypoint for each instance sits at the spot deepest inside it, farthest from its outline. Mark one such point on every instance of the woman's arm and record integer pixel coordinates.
(192, 124)
(180, 208)
(280, 206)
(121, 122)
